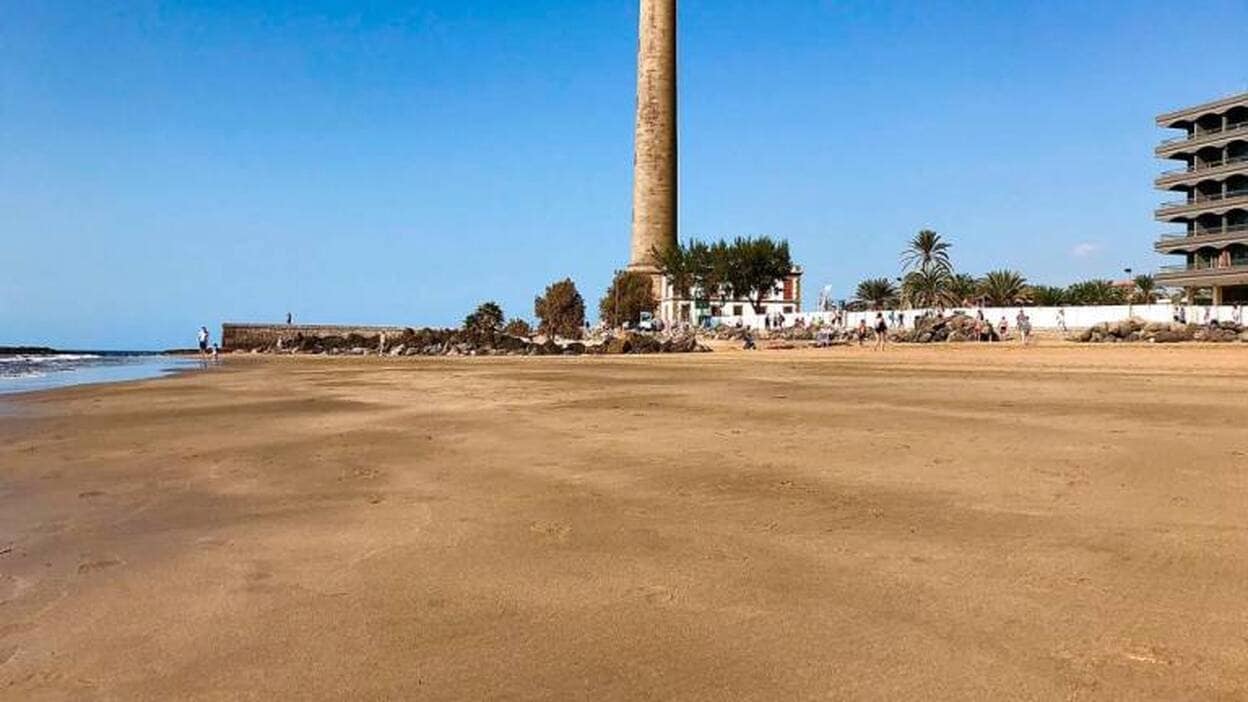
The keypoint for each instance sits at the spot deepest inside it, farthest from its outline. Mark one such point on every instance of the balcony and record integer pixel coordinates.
(1204, 274)
(1202, 204)
(1213, 107)
(1191, 176)
(1215, 137)
(1183, 243)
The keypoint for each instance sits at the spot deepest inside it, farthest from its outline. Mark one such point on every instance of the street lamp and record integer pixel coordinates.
(615, 310)
(1130, 293)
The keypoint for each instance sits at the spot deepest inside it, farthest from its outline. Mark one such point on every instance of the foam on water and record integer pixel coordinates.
(28, 372)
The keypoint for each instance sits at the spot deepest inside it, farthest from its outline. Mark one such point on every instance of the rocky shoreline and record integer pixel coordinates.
(450, 342)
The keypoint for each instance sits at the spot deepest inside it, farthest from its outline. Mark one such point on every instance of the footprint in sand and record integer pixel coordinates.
(552, 531)
(654, 594)
(88, 566)
(10, 587)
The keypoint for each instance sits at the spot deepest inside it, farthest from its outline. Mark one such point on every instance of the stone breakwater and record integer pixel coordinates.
(1135, 330)
(399, 341)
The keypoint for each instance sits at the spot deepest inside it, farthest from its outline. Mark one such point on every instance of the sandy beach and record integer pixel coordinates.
(930, 522)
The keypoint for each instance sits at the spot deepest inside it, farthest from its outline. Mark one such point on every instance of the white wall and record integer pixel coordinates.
(1041, 317)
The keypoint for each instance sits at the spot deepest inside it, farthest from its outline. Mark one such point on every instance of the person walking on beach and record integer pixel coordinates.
(1003, 328)
(216, 354)
(290, 319)
(1061, 319)
(1023, 322)
(202, 336)
(861, 332)
(881, 331)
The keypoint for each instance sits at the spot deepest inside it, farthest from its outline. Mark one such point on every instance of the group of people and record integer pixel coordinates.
(878, 330)
(984, 331)
(1210, 318)
(207, 350)
(774, 321)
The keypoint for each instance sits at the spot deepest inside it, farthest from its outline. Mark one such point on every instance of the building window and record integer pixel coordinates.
(737, 310)
(788, 309)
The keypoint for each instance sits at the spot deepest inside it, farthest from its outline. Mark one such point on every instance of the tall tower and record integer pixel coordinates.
(654, 169)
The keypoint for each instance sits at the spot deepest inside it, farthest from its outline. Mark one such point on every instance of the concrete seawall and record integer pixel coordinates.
(249, 336)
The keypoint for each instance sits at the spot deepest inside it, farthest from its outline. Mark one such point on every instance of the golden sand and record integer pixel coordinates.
(941, 522)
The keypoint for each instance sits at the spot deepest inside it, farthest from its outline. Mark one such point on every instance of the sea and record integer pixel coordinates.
(29, 372)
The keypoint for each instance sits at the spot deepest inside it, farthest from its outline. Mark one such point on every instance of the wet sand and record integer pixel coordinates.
(942, 522)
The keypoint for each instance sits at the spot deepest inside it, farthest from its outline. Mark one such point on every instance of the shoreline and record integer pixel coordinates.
(720, 348)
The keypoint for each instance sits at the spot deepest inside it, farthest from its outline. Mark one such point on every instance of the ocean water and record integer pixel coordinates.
(26, 373)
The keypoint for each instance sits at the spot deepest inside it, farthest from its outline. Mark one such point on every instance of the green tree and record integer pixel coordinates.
(1004, 288)
(747, 267)
(927, 251)
(1048, 296)
(697, 270)
(1095, 292)
(876, 293)
(962, 289)
(926, 287)
(680, 265)
(488, 317)
(630, 294)
(561, 310)
(754, 266)
(1146, 291)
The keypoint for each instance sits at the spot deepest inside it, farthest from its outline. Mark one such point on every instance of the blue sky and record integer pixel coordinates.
(167, 164)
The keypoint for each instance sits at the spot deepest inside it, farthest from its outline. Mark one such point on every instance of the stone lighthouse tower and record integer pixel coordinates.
(654, 169)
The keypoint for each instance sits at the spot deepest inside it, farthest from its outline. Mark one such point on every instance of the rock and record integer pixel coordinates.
(617, 345)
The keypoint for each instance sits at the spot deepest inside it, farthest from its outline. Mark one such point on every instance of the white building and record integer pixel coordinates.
(785, 299)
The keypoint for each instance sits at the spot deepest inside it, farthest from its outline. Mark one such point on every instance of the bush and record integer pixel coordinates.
(561, 310)
(630, 294)
(488, 317)
(518, 327)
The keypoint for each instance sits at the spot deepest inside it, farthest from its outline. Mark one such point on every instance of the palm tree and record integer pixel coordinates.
(927, 250)
(1048, 296)
(1095, 292)
(488, 317)
(962, 288)
(1004, 288)
(926, 287)
(1145, 289)
(876, 293)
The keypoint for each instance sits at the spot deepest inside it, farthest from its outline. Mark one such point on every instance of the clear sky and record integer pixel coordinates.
(170, 164)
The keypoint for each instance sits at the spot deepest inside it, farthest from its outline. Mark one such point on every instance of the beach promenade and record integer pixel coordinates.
(957, 522)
